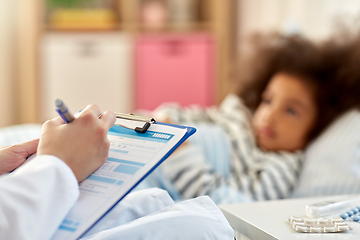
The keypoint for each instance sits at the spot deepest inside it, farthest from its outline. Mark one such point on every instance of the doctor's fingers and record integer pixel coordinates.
(91, 111)
(58, 121)
(29, 147)
(108, 118)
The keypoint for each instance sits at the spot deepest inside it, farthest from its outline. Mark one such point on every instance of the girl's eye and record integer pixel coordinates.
(266, 101)
(291, 111)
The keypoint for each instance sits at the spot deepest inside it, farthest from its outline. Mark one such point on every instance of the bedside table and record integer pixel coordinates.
(268, 220)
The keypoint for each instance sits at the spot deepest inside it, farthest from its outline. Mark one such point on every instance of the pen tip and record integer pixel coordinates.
(58, 103)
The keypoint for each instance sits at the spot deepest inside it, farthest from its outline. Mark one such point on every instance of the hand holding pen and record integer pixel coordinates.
(83, 145)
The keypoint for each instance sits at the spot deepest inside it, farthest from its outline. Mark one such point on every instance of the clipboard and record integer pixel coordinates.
(138, 146)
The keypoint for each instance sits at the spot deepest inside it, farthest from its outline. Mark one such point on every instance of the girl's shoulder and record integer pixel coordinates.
(234, 105)
(231, 100)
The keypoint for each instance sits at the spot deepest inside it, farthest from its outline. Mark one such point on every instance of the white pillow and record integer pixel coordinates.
(332, 161)
(19, 133)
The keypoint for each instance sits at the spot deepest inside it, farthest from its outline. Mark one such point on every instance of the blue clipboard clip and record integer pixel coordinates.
(148, 121)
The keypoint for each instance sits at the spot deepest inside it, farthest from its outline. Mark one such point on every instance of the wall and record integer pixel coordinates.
(26, 56)
(315, 19)
(7, 36)
(18, 62)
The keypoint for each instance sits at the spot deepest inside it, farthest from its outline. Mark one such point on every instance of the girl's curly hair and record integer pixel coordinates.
(330, 68)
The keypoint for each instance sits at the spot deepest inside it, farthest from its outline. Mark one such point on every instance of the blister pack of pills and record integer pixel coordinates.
(319, 225)
(326, 208)
(352, 214)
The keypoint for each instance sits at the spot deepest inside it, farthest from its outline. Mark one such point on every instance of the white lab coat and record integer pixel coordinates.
(35, 198)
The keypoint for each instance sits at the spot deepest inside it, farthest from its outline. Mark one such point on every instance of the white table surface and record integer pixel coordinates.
(268, 220)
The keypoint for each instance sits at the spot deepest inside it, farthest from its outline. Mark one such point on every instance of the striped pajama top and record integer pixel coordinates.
(257, 174)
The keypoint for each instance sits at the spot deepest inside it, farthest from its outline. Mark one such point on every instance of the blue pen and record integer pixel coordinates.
(63, 111)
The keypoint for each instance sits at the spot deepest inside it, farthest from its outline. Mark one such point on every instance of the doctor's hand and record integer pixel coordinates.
(13, 156)
(82, 144)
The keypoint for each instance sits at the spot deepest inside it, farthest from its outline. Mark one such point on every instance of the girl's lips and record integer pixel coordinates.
(266, 132)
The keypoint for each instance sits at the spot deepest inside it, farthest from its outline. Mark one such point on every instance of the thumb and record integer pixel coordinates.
(29, 147)
(55, 122)
(13, 156)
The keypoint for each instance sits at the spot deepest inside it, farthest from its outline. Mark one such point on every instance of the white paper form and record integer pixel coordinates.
(132, 155)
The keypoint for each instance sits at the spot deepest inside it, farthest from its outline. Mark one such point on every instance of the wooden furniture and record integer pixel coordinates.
(83, 68)
(213, 18)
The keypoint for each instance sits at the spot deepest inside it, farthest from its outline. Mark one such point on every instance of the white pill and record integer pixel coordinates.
(343, 228)
(295, 224)
(310, 221)
(296, 219)
(323, 221)
(302, 229)
(340, 224)
(339, 219)
(315, 229)
(329, 229)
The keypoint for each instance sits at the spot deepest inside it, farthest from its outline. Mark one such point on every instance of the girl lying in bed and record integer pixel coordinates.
(288, 93)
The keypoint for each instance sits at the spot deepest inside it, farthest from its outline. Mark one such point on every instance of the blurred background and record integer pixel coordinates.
(125, 55)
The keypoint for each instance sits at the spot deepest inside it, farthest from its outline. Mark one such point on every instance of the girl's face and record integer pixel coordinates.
(286, 114)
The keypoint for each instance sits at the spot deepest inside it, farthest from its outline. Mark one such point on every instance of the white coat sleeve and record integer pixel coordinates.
(35, 198)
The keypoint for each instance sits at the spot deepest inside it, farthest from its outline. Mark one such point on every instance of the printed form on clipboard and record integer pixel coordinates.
(132, 156)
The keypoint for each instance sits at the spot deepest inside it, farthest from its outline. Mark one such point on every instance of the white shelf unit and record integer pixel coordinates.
(84, 68)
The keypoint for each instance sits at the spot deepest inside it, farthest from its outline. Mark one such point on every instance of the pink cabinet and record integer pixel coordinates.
(174, 68)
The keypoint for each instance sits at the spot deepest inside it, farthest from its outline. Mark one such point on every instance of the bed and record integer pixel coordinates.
(331, 167)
